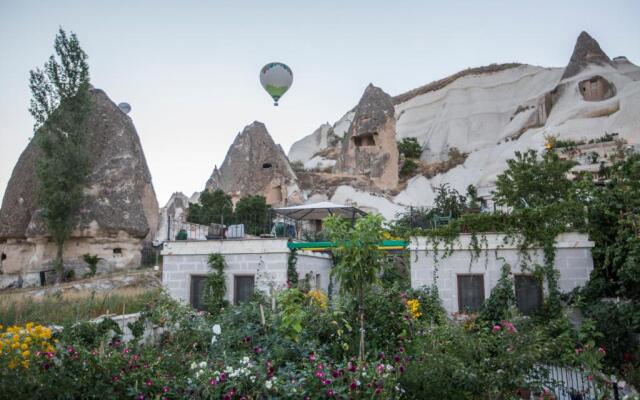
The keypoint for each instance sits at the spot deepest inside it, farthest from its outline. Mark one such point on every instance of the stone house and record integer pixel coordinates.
(465, 281)
(251, 263)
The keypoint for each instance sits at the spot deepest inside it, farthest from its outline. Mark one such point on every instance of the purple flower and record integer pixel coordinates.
(149, 382)
(326, 382)
(312, 357)
(381, 355)
(223, 377)
(351, 366)
(165, 389)
(330, 393)
(319, 374)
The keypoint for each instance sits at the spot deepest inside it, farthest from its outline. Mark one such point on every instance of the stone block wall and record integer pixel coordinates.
(266, 259)
(573, 260)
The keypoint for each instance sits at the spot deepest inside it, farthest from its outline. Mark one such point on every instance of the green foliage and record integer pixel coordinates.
(92, 261)
(182, 235)
(409, 167)
(409, 147)
(501, 304)
(215, 207)
(90, 334)
(137, 328)
(359, 260)
(292, 313)
(430, 304)
(60, 105)
(253, 211)
(530, 182)
(292, 272)
(215, 285)
(449, 202)
(614, 224)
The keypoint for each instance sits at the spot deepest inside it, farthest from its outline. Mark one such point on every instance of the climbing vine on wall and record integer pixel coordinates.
(215, 285)
(292, 271)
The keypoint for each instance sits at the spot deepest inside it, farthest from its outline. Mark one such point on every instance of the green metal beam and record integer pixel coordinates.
(315, 245)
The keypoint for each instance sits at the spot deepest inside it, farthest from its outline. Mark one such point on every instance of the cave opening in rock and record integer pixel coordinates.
(596, 88)
(266, 165)
(117, 251)
(367, 139)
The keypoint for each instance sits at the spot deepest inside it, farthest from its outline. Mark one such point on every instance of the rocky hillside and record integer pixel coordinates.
(117, 217)
(484, 114)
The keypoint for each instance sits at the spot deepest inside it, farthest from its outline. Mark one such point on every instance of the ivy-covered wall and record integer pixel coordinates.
(431, 261)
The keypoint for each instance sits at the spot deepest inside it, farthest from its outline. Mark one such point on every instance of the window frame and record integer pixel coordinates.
(540, 291)
(191, 287)
(462, 309)
(235, 284)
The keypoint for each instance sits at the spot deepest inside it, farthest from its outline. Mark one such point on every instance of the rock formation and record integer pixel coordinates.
(117, 217)
(586, 51)
(488, 113)
(256, 165)
(369, 147)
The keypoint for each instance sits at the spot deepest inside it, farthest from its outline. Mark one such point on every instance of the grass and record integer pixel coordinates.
(59, 308)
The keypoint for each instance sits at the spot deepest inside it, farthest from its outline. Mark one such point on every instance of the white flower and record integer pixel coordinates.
(216, 329)
(194, 365)
(245, 360)
(198, 373)
(268, 384)
(252, 378)
(203, 364)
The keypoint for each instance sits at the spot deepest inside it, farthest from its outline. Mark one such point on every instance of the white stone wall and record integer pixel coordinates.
(573, 260)
(266, 259)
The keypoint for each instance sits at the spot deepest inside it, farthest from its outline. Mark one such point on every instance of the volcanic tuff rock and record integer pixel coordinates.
(586, 51)
(256, 165)
(491, 112)
(120, 209)
(369, 147)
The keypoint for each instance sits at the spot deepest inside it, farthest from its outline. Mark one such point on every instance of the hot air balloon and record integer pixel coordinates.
(276, 79)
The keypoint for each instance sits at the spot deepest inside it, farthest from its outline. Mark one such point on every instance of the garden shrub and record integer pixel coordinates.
(501, 304)
(409, 147)
(409, 168)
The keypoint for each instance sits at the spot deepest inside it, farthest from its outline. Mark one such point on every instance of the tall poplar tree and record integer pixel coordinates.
(60, 105)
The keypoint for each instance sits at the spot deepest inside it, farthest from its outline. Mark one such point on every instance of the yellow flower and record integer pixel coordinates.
(25, 364)
(29, 326)
(414, 308)
(15, 345)
(318, 298)
(26, 353)
(24, 346)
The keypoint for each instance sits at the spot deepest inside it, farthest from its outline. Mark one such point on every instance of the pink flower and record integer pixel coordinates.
(330, 393)
(380, 368)
(381, 355)
(351, 366)
(319, 374)
(165, 389)
(326, 382)
(312, 357)
(149, 382)
(126, 350)
(602, 351)
(353, 385)
(213, 381)
(496, 328)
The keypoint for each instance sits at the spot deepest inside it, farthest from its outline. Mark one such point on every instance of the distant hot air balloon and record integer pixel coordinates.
(276, 79)
(124, 107)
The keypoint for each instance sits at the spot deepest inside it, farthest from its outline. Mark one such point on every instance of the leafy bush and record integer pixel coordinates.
(409, 167)
(410, 148)
(92, 262)
(501, 304)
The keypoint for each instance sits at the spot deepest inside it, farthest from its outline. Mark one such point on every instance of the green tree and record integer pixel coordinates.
(215, 285)
(60, 105)
(501, 303)
(409, 147)
(359, 261)
(449, 202)
(253, 212)
(214, 207)
(532, 182)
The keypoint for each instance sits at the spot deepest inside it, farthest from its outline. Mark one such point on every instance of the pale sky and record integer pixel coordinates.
(190, 69)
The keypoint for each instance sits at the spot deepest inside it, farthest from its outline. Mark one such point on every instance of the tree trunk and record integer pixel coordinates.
(361, 317)
(58, 264)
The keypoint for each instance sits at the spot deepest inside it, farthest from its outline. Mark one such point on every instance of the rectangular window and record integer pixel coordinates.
(318, 281)
(196, 293)
(243, 286)
(528, 294)
(470, 292)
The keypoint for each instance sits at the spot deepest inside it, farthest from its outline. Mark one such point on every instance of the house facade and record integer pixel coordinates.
(251, 264)
(465, 280)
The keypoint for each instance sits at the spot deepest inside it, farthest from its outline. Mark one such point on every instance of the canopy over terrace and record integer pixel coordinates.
(319, 211)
